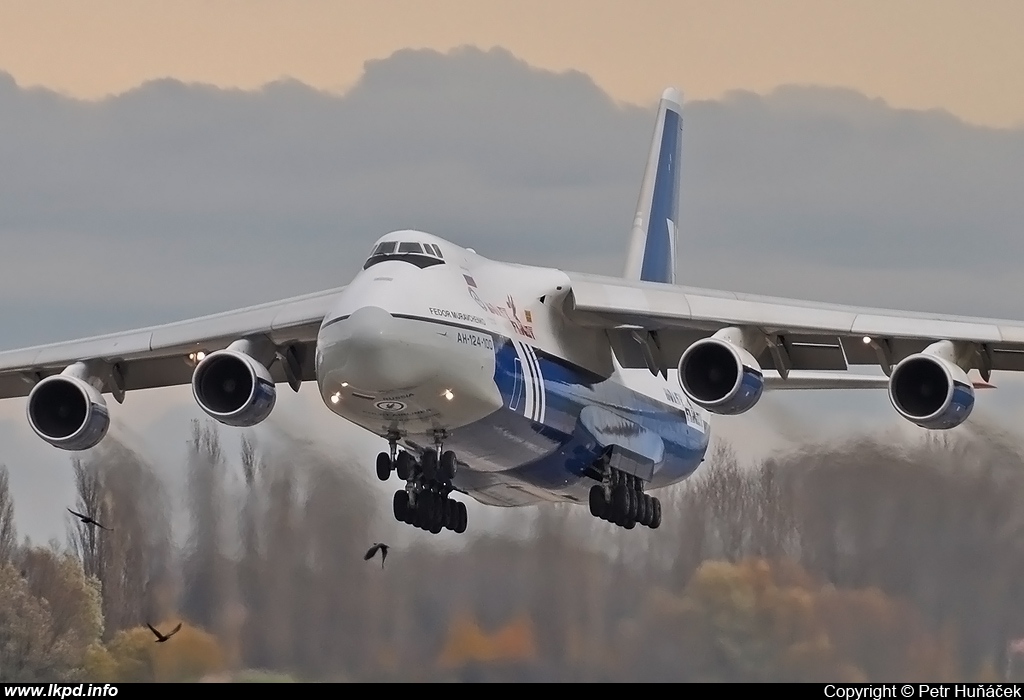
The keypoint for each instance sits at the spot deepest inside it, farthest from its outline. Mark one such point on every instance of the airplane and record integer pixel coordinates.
(517, 385)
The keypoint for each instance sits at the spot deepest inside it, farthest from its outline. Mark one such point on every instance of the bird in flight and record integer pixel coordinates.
(163, 637)
(87, 520)
(377, 546)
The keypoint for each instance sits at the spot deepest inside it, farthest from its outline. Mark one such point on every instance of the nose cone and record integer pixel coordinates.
(376, 352)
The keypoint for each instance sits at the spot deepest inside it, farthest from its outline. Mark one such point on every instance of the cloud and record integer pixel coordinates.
(174, 199)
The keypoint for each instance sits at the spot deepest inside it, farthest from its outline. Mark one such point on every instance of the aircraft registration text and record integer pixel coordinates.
(475, 340)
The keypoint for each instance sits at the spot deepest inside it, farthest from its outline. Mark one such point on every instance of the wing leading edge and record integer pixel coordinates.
(158, 356)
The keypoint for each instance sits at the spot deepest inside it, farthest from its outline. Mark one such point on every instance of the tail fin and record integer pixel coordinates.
(652, 249)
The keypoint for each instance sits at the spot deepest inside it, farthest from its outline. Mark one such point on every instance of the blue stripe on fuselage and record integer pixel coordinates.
(658, 261)
(509, 447)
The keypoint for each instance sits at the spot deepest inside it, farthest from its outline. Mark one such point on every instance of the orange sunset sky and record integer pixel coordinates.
(965, 57)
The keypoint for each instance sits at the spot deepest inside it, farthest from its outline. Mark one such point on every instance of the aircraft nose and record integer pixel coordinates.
(376, 352)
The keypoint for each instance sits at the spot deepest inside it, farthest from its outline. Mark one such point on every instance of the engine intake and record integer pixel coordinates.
(68, 413)
(720, 377)
(931, 392)
(234, 389)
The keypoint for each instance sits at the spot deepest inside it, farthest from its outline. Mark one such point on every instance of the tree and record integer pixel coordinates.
(132, 560)
(759, 621)
(8, 532)
(50, 616)
(187, 657)
(73, 600)
(207, 570)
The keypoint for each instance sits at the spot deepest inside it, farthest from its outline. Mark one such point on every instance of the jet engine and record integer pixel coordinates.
(233, 388)
(68, 412)
(931, 392)
(720, 376)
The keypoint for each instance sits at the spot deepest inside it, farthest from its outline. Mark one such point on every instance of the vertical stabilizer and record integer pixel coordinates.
(652, 248)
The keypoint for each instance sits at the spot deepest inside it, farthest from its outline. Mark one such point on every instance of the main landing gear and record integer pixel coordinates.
(424, 501)
(620, 499)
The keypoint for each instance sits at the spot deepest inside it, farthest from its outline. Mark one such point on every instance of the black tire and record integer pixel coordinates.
(449, 465)
(620, 499)
(656, 517)
(630, 524)
(450, 513)
(463, 518)
(383, 466)
(437, 522)
(646, 510)
(620, 505)
(429, 463)
(598, 502)
(401, 506)
(403, 465)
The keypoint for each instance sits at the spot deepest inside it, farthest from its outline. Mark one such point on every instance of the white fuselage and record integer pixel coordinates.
(411, 348)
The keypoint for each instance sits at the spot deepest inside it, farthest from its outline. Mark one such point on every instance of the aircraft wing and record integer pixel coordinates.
(823, 380)
(802, 335)
(835, 380)
(158, 356)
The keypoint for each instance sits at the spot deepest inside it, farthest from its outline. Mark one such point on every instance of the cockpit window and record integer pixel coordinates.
(407, 251)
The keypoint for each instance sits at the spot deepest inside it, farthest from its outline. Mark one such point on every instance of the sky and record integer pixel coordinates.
(199, 156)
(946, 54)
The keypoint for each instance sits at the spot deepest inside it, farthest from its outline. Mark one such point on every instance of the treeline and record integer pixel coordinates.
(858, 562)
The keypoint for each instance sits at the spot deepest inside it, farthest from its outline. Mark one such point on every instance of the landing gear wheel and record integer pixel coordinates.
(598, 501)
(620, 505)
(403, 465)
(437, 519)
(463, 518)
(429, 464)
(634, 505)
(448, 514)
(656, 517)
(646, 510)
(383, 466)
(448, 465)
(428, 515)
(401, 504)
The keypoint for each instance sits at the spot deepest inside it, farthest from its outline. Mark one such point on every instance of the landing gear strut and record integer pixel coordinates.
(621, 500)
(424, 502)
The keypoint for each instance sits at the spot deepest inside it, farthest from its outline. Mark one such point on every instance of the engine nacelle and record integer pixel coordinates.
(68, 412)
(720, 376)
(233, 388)
(931, 392)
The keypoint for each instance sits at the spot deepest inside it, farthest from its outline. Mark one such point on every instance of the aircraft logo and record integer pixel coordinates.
(503, 312)
(391, 406)
(520, 327)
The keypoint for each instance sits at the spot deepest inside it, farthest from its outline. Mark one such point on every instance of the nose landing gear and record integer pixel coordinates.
(424, 502)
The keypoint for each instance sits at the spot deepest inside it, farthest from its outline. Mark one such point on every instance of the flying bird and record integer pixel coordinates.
(377, 546)
(87, 520)
(163, 637)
